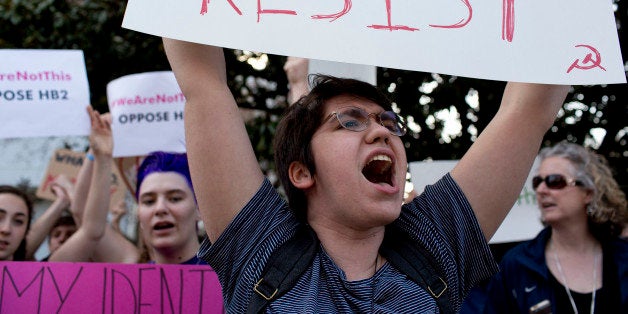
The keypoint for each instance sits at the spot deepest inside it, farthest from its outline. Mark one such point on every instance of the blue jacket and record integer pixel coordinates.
(524, 279)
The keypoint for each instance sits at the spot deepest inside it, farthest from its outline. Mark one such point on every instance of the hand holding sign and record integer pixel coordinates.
(487, 180)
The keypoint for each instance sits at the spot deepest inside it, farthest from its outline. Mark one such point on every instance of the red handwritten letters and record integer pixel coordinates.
(507, 21)
(456, 14)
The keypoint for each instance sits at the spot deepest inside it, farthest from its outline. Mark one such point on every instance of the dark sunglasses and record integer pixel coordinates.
(356, 119)
(554, 181)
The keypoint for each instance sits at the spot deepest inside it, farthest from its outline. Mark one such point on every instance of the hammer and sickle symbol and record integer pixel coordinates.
(588, 62)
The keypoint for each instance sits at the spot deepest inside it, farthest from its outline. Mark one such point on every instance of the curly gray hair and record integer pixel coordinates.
(607, 211)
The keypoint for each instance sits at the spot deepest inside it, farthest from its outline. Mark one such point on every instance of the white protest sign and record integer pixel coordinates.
(560, 41)
(147, 114)
(366, 73)
(43, 93)
(523, 221)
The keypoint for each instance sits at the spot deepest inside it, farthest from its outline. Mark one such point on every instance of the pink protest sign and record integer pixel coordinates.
(41, 287)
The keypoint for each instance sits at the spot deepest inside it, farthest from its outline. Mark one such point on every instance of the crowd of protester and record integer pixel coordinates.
(577, 263)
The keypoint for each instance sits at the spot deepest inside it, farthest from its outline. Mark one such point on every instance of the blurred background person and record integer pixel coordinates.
(16, 210)
(577, 264)
(94, 239)
(53, 223)
(167, 211)
(63, 228)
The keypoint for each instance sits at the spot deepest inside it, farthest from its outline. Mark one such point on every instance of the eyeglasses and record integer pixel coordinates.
(356, 119)
(554, 181)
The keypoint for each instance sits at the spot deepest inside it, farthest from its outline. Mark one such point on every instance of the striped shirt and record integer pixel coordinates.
(440, 219)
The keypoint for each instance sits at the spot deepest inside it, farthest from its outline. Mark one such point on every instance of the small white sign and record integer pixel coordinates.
(523, 222)
(43, 93)
(366, 73)
(147, 114)
(560, 41)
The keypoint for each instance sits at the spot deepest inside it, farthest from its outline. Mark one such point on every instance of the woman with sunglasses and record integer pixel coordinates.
(578, 263)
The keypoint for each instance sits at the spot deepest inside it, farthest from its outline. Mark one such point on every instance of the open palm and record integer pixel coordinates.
(100, 138)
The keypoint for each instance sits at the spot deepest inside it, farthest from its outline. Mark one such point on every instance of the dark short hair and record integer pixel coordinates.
(66, 220)
(301, 120)
(163, 162)
(20, 253)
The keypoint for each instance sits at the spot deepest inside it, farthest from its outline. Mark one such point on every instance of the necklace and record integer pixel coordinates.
(562, 275)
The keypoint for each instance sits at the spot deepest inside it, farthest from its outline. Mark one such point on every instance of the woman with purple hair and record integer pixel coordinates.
(167, 211)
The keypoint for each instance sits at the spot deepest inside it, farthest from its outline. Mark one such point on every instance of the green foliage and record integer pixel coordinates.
(111, 51)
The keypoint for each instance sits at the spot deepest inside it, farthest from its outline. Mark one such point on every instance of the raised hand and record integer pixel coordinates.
(296, 71)
(100, 138)
(63, 189)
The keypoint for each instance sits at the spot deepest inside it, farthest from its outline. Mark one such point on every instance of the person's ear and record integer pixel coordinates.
(588, 197)
(300, 175)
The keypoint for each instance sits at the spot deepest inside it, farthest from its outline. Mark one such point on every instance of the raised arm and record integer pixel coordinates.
(224, 169)
(296, 71)
(114, 247)
(493, 171)
(40, 229)
(81, 245)
(81, 188)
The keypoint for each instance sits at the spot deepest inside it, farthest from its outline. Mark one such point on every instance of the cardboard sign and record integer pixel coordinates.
(561, 41)
(45, 287)
(43, 93)
(67, 162)
(62, 162)
(147, 114)
(523, 222)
